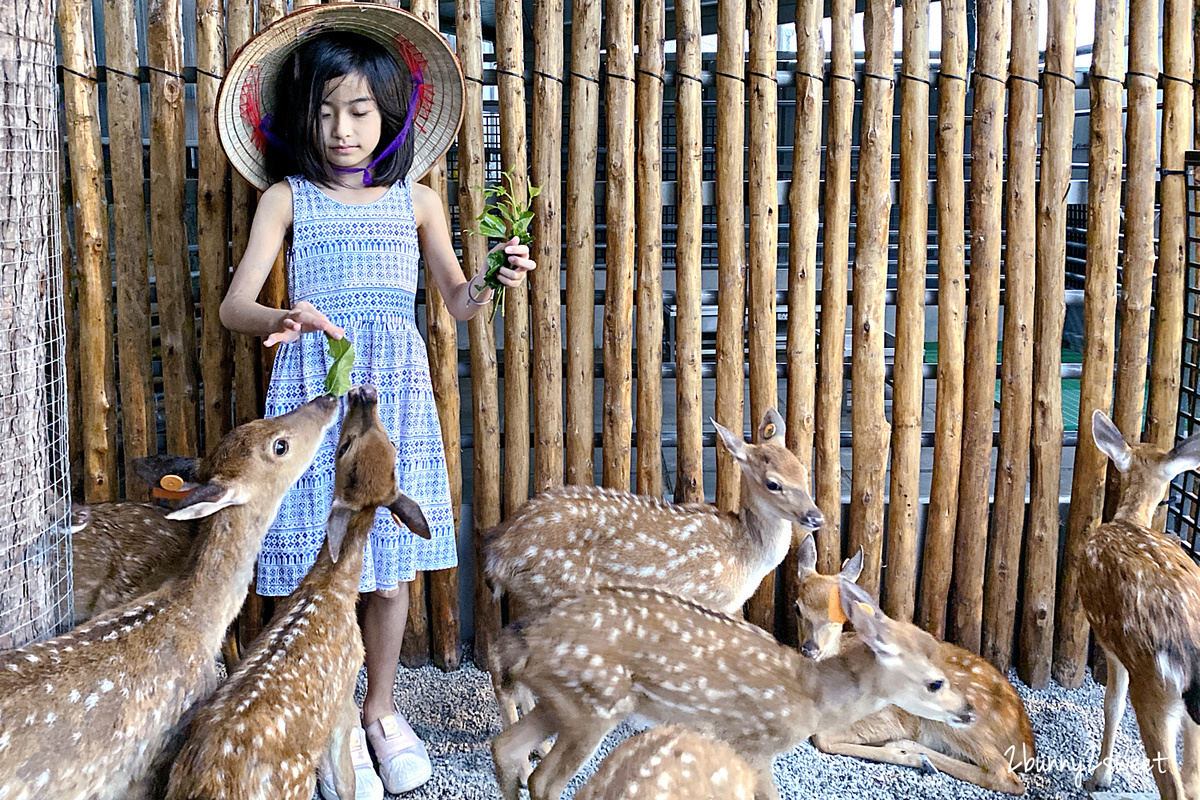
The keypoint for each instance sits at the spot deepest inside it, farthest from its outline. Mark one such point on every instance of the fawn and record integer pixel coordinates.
(262, 731)
(1141, 594)
(670, 762)
(98, 711)
(984, 753)
(596, 658)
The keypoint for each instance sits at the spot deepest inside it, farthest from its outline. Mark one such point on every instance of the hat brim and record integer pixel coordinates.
(247, 92)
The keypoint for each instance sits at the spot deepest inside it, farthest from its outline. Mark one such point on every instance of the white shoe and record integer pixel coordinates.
(367, 785)
(403, 760)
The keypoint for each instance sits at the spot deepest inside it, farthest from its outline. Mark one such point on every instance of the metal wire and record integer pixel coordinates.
(35, 547)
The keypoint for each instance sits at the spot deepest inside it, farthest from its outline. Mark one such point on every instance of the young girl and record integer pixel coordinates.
(340, 142)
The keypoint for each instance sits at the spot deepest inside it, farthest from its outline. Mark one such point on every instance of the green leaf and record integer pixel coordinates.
(492, 227)
(337, 380)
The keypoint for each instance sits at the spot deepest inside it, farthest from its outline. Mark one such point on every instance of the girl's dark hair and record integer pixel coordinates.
(300, 90)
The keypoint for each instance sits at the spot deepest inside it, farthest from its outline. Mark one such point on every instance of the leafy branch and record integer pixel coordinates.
(504, 217)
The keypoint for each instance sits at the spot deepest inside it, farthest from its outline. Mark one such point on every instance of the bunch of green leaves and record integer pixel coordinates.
(337, 380)
(505, 216)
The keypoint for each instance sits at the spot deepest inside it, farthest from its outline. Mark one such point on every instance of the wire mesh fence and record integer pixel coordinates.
(35, 555)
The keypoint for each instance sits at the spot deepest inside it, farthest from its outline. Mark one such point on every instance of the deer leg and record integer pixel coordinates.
(575, 744)
(506, 699)
(340, 740)
(1191, 759)
(1158, 716)
(511, 749)
(1114, 709)
(996, 775)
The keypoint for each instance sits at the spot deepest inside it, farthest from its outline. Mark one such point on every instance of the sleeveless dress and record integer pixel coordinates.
(358, 265)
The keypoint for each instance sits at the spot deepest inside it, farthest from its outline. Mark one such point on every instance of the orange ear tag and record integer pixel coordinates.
(396, 519)
(768, 431)
(170, 487)
(835, 606)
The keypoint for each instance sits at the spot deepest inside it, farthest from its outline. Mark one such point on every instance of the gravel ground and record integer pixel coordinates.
(456, 715)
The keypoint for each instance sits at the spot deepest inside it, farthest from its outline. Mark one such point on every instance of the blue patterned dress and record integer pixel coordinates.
(358, 265)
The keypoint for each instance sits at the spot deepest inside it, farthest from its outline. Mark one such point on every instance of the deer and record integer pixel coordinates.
(670, 762)
(609, 652)
(988, 753)
(291, 699)
(1141, 595)
(98, 712)
(573, 537)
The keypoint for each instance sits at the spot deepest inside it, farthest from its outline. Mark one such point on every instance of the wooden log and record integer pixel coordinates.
(617, 418)
(544, 282)
(70, 269)
(581, 241)
(804, 198)
(763, 254)
(510, 66)
(979, 390)
(689, 126)
(1041, 541)
(731, 239)
(827, 477)
(130, 246)
(1016, 377)
(1099, 310)
(172, 273)
(97, 402)
(900, 579)
(942, 514)
(212, 227)
(651, 62)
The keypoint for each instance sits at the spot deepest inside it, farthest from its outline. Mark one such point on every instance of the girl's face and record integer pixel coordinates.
(350, 122)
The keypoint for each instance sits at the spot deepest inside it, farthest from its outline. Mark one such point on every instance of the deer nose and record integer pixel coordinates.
(967, 715)
(812, 520)
(810, 648)
(325, 402)
(364, 395)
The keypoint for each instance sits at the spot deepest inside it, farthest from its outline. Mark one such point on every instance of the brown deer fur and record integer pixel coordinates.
(97, 712)
(1141, 594)
(261, 733)
(670, 762)
(594, 659)
(985, 753)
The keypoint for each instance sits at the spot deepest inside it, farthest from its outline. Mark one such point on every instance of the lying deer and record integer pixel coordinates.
(594, 659)
(98, 712)
(670, 762)
(985, 753)
(261, 733)
(1141, 594)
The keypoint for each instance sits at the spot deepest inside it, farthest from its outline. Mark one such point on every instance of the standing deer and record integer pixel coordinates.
(1141, 594)
(670, 762)
(986, 753)
(596, 658)
(261, 733)
(98, 712)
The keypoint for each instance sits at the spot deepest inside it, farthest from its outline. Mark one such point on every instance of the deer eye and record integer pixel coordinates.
(342, 448)
(935, 686)
(773, 486)
(281, 447)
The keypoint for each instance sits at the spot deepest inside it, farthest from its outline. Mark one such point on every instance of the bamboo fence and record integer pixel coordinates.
(1001, 561)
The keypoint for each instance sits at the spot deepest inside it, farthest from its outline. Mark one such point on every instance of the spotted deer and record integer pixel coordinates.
(98, 711)
(596, 658)
(989, 752)
(261, 733)
(1141, 594)
(670, 762)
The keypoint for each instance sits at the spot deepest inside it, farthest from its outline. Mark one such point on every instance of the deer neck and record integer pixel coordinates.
(343, 576)
(1137, 508)
(765, 533)
(845, 688)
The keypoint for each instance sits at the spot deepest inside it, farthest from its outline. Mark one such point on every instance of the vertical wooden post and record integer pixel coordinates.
(510, 71)
(900, 581)
(130, 246)
(731, 237)
(979, 391)
(689, 202)
(1016, 380)
(763, 258)
(1100, 290)
(70, 269)
(97, 401)
(651, 62)
(581, 241)
(1041, 541)
(836, 257)
(803, 202)
(938, 556)
(618, 280)
(546, 155)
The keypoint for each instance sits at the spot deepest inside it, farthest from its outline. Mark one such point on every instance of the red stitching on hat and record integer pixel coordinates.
(425, 93)
(250, 102)
(413, 57)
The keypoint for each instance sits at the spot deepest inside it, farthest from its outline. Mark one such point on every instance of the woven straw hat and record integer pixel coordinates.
(248, 91)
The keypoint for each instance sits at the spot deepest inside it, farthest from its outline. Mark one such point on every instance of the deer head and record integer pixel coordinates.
(1146, 469)
(817, 607)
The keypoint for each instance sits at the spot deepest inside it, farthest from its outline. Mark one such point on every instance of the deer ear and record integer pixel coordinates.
(807, 556)
(335, 527)
(733, 443)
(772, 428)
(406, 512)
(853, 566)
(1184, 456)
(207, 499)
(151, 469)
(870, 624)
(1110, 441)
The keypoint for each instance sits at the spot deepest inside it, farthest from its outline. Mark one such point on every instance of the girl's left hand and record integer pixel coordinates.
(518, 264)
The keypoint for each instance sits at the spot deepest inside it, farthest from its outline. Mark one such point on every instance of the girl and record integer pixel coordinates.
(347, 116)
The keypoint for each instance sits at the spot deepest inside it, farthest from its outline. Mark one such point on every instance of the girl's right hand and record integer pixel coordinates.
(301, 319)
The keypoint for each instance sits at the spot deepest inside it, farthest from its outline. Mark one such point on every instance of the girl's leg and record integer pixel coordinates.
(383, 634)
